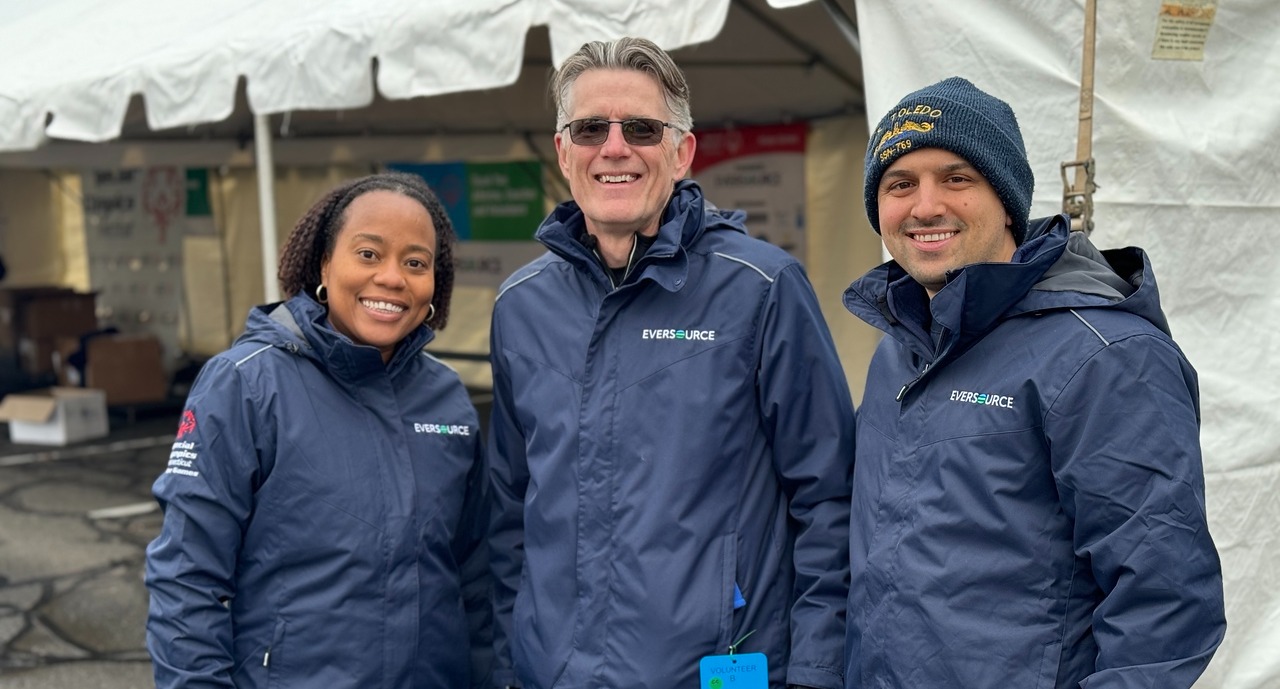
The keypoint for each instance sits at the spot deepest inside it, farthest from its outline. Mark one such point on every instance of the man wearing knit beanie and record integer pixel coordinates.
(977, 156)
(1028, 505)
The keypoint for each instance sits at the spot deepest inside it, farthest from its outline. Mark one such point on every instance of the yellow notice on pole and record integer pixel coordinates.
(1182, 28)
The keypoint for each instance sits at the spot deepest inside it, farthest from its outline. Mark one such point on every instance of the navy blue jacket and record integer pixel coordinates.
(323, 520)
(659, 446)
(1029, 497)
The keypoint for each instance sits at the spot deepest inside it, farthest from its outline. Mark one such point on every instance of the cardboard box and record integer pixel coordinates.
(44, 313)
(55, 416)
(128, 368)
(60, 314)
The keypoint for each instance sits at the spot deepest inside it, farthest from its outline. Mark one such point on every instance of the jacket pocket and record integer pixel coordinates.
(274, 659)
(1049, 661)
(249, 666)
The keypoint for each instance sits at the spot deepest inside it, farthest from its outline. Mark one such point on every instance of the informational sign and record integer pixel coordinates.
(486, 201)
(495, 208)
(761, 171)
(1182, 29)
(135, 223)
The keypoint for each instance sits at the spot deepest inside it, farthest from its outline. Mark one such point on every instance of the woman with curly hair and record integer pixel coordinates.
(324, 500)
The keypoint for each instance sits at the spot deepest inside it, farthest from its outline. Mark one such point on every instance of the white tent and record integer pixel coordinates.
(185, 58)
(345, 84)
(72, 68)
(1185, 149)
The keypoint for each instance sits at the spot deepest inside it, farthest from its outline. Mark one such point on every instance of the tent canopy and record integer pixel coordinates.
(164, 70)
(153, 71)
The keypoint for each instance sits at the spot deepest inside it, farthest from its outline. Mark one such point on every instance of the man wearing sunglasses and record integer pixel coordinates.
(671, 437)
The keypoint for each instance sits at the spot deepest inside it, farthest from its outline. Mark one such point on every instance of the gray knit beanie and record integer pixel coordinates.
(955, 115)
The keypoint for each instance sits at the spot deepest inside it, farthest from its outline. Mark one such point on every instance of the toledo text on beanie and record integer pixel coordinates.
(957, 116)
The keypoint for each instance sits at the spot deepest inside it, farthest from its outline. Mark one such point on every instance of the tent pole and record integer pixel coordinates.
(265, 167)
(845, 23)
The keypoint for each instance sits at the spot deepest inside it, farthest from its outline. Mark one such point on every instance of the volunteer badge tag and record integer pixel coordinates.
(735, 671)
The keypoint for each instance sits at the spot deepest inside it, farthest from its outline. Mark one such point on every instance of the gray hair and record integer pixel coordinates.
(636, 54)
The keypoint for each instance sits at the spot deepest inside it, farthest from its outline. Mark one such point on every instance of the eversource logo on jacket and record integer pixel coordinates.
(982, 398)
(669, 334)
(617, 413)
(442, 428)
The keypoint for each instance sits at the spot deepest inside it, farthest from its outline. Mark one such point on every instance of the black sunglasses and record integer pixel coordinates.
(636, 131)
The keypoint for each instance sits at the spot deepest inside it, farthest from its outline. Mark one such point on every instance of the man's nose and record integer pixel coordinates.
(928, 201)
(615, 144)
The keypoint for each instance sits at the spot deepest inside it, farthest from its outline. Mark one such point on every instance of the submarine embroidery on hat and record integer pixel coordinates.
(893, 141)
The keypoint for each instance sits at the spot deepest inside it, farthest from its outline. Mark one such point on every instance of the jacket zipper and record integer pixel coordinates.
(903, 392)
(630, 263)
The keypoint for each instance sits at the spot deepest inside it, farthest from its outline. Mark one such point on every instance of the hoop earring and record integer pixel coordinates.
(322, 294)
(431, 313)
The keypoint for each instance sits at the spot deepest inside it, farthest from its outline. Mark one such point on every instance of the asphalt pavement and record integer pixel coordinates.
(75, 522)
(74, 525)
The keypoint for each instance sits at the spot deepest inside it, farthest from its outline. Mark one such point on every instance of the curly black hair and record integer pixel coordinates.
(314, 236)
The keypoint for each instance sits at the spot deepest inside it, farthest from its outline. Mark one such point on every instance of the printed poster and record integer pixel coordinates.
(136, 221)
(761, 171)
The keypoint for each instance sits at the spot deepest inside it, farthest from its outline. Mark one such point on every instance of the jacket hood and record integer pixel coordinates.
(687, 217)
(301, 326)
(1054, 269)
(1084, 276)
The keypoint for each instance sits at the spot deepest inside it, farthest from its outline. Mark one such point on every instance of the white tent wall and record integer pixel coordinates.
(1186, 157)
(41, 230)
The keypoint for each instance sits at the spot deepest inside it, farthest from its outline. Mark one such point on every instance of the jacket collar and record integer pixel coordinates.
(686, 218)
(1053, 269)
(301, 325)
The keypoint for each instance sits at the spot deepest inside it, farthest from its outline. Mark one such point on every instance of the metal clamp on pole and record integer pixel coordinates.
(1077, 195)
(1078, 202)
